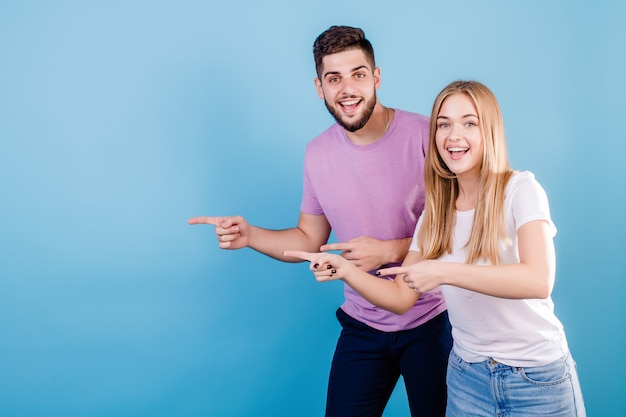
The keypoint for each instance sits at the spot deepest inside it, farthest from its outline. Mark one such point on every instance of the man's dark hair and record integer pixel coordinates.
(338, 39)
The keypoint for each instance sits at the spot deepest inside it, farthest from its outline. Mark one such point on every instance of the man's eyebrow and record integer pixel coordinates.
(360, 67)
(352, 70)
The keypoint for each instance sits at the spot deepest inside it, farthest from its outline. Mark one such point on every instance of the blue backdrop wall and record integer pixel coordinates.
(121, 119)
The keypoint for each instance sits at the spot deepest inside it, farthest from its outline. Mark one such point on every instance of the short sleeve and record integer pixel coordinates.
(528, 201)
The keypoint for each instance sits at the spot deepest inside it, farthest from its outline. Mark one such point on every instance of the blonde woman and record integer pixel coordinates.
(485, 239)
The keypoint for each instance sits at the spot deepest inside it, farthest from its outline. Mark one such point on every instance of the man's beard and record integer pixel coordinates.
(354, 125)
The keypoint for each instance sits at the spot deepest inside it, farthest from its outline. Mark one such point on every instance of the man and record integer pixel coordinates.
(363, 178)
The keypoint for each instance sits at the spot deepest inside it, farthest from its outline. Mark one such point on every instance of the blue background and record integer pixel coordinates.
(119, 120)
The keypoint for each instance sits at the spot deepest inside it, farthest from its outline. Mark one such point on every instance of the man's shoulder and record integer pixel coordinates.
(411, 125)
(412, 117)
(327, 135)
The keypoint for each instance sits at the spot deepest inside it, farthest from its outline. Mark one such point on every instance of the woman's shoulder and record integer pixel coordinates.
(523, 188)
(521, 179)
(523, 185)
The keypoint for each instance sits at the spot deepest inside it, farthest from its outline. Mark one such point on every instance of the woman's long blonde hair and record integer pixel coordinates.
(436, 234)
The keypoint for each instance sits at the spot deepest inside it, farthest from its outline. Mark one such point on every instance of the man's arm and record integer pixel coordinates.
(234, 232)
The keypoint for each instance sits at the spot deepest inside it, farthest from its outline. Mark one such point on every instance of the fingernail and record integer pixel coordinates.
(328, 266)
(378, 273)
(334, 271)
(316, 266)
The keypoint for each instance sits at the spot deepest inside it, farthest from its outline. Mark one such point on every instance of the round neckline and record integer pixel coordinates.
(385, 136)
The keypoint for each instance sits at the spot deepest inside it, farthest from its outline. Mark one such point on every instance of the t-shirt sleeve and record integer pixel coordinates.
(310, 203)
(529, 201)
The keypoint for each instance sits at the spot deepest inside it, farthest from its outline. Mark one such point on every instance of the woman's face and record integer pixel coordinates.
(459, 136)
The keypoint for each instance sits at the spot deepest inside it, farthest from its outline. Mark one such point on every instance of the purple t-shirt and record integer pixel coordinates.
(372, 190)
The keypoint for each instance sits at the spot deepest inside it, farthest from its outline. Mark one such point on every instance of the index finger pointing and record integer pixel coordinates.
(396, 270)
(307, 256)
(205, 220)
(336, 246)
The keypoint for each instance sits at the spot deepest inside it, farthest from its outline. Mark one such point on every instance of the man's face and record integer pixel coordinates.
(348, 86)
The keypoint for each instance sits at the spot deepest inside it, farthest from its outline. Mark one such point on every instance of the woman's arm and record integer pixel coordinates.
(394, 296)
(532, 277)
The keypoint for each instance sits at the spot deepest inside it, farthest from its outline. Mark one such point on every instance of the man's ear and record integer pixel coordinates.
(376, 78)
(318, 87)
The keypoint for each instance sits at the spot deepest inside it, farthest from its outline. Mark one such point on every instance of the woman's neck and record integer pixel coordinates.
(468, 193)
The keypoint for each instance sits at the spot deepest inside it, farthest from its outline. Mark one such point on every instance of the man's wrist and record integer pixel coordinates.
(399, 249)
(402, 248)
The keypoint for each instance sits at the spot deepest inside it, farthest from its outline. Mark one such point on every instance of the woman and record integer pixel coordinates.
(486, 239)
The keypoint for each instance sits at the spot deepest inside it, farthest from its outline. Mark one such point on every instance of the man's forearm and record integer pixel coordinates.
(397, 249)
(274, 242)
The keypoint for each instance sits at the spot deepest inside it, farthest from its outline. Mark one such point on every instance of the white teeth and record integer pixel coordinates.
(349, 103)
(457, 149)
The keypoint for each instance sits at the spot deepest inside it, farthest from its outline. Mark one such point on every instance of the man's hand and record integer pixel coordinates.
(367, 253)
(233, 232)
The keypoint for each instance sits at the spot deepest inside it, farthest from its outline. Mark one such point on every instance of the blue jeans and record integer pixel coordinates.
(490, 388)
(368, 363)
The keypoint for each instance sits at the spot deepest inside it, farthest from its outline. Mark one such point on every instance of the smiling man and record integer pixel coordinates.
(363, 179)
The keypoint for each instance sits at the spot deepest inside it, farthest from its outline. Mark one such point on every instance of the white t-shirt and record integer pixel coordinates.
(514, 332)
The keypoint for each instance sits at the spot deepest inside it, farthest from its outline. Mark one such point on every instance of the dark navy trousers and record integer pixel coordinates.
(368, 363)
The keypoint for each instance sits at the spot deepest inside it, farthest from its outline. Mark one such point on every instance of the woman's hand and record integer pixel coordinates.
(325, 266)
(420, 277)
